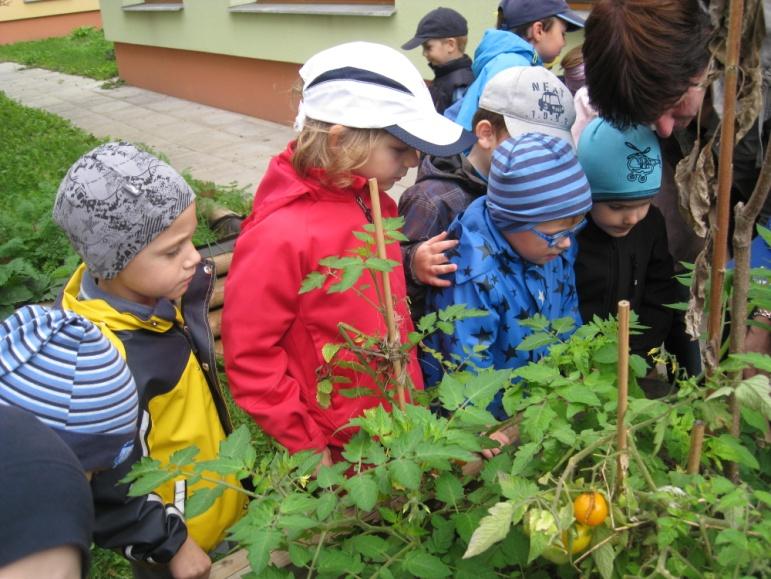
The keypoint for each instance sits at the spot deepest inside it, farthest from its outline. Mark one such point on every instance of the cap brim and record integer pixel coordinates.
(435, 135)
(572, 18)
(413, 43)
(517, 127)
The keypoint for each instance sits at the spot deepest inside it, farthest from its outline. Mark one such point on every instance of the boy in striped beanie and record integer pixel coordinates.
(624, 252)
(515, 255)
(59, 367)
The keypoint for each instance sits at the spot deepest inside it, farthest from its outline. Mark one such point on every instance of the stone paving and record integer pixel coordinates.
(213, 144)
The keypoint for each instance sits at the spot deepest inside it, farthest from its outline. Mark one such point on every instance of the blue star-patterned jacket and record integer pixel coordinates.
(493, 277)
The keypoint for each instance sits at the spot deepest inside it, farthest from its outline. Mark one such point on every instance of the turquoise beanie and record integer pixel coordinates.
(621, 165)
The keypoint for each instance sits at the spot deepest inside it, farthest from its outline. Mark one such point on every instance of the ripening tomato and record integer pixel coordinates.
(590, 509)
(581, 539)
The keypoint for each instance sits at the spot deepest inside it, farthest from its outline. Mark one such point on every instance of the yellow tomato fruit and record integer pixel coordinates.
(581, 539)
(590, 509)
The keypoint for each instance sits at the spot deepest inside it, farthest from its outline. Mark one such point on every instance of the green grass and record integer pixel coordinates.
(37, 149)
(84, 52)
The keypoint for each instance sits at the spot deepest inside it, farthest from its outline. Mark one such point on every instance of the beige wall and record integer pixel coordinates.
(20, 10)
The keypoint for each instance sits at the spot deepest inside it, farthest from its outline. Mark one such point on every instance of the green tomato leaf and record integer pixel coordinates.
(362, 489)
(448, 489)
(535, 341)
(201, 500)
(492, 529)
(604, 557)
(421, 564)
(406, 473)
(728, 448)
(314, 280)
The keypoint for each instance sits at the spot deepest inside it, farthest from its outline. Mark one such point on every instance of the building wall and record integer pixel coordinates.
(19, 9)
(33, 20)
(248, 62)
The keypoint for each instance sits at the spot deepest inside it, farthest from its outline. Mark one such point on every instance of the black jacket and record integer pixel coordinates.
(450, 81)
(445, 187)
(637, 268)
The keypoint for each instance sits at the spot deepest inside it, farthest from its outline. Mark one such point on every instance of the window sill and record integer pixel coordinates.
(164, 7)
(317, 9)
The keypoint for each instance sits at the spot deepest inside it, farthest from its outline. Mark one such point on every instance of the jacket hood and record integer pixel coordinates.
(457, 169)
(496, 42)
(477, 240)
(281, 185)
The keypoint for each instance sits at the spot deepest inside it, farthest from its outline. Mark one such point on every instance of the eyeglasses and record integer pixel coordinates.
(553, 240)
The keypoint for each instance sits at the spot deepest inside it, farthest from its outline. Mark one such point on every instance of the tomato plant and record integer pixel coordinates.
(400, 504)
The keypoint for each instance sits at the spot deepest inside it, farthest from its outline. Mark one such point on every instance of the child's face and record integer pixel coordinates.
(549, 43)
(617, 218)
(536, 249)
(439, 51)
(164, 268)
(389, 160)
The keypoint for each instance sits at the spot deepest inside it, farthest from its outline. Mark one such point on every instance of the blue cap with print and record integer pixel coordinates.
(59, 367)
(621, 164)
(535, 178)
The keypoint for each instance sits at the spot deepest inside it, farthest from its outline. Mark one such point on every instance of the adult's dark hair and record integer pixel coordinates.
(641, 56)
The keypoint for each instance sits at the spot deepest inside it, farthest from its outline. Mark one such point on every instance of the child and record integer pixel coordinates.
(131, 218)
(364, 107)
(623, 252)
(529, 33)
(515, 254)
(513, 102)
(59, 367)
(443, 32)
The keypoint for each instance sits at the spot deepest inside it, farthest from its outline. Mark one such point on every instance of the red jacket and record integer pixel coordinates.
(272, 335)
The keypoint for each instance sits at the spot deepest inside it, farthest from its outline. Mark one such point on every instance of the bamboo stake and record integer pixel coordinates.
(623, 391)
(393, 332)
(725, 174)
(694, 453)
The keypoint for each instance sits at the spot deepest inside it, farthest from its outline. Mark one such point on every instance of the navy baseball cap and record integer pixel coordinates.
(439, 23)
(519, 12)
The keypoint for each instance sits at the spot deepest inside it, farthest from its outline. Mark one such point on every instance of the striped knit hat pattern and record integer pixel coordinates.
(535, 178)
(114, 201)
(59, 367)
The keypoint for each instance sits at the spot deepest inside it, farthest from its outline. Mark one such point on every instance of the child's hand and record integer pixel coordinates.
(326, 460)
(501, 438)
(429, 261)
(190, 562)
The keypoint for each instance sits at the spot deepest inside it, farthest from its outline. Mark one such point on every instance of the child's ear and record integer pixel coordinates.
(335, 134)
(535, 32)
(452, 44)
(486, 135)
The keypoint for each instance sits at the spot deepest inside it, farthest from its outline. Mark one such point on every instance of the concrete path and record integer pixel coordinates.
(213, 144)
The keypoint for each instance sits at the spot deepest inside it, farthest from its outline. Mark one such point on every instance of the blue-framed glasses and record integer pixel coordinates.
(553, 240)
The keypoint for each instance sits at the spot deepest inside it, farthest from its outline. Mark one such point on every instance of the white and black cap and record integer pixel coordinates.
(371, 86)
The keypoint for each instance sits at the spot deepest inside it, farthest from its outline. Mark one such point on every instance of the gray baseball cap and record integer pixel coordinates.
(114, 201)
(531, 100)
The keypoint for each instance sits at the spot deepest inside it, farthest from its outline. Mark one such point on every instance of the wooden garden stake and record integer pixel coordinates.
(623, 390)
(694, 453)
(725, 175)
(393, 331)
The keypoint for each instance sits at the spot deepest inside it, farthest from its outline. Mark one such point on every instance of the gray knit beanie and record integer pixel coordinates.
(114, 201)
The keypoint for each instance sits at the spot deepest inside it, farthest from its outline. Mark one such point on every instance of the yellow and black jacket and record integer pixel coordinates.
(171, 355)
